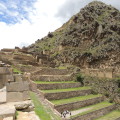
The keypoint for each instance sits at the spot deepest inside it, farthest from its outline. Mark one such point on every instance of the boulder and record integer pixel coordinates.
(24, 106)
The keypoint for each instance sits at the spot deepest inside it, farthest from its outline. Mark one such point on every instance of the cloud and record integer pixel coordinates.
(71, 7)
(39, 22)
(23, 22)
(15, 10)
(2, 7)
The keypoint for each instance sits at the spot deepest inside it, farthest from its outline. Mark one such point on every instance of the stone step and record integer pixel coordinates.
(7, 111)
(92, 112)
(51, 78)
(66, 93)
(76, 102)
(114, 115)
(57, 85)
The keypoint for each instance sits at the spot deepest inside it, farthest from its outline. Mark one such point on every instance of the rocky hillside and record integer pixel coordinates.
(90, 38)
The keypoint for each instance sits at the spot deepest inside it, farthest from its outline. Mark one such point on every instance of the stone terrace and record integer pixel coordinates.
(69, 95)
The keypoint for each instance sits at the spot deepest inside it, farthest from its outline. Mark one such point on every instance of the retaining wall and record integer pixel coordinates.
(64, 95)
(108, 87)
(79, 104)
(95, 114)
(101, 73)
(52, 71)
(53, 78)
(58, 86)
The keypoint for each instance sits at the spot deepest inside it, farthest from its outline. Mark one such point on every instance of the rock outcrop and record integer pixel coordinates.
(90, 38)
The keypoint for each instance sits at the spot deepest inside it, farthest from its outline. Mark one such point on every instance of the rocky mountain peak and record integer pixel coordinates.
(90, 38)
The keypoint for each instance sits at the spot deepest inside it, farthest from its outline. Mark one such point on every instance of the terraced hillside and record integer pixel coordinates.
(71, 95)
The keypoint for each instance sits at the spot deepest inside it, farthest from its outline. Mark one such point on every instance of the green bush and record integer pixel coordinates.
(111, 100)
(80, 78)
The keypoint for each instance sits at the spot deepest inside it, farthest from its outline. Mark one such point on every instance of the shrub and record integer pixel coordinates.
(80, 78)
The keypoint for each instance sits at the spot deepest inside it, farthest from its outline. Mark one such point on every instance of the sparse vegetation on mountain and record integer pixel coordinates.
(90, 38)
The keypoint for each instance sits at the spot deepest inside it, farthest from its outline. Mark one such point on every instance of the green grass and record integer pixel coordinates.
(74, 99)
(42, 82)
(62, 67)
(16, 114)
(94, 108)
(66, 90)
(43, 112)
(15, 70)
(111, 116)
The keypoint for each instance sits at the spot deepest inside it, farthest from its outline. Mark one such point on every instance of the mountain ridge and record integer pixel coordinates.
(91, 38)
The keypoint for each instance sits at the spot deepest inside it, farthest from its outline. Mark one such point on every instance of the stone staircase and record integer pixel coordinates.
(66, 94)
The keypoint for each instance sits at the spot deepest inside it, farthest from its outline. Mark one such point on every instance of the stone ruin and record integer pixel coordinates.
(14, 92)
(17, 87)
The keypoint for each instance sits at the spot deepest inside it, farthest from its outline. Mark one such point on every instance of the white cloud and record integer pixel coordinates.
(2, 7)
(41, 20)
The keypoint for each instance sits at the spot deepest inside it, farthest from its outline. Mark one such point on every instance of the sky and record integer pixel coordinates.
(22, 22)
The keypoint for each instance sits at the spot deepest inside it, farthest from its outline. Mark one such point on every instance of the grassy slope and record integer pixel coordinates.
(66, 90)
(42, 82)
(111, 116)
(43, 112)
(94, 107)
(74, 99)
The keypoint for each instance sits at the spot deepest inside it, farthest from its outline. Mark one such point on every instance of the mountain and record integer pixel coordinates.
(90, 39)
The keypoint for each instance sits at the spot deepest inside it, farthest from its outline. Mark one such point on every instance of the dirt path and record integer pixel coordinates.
(27, 116)
(78, 111)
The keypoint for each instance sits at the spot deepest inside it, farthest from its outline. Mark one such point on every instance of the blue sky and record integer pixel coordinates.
(22, 22)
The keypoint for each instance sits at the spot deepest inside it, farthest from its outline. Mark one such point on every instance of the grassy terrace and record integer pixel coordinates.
(111, 116)
(44, 113)
(94, 108)
(74, 99)
(66, 90)
(42, 82)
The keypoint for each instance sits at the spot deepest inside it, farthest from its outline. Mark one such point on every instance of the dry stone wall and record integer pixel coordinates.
(77, 105)
(95, 114)
(17, 85)
(57, 86)
(108, 87)
(101, 73)
(64, 95)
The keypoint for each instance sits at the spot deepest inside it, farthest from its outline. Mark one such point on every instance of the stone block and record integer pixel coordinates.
(101, 74)
(25, 85)
(9, 78)
(7, 111)
(14, 96)
(18, 78)
(24, 105)
(3, 95)
(17, 86)
(26, 95)
(5, 70)
(8, 118)
(108, 74)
